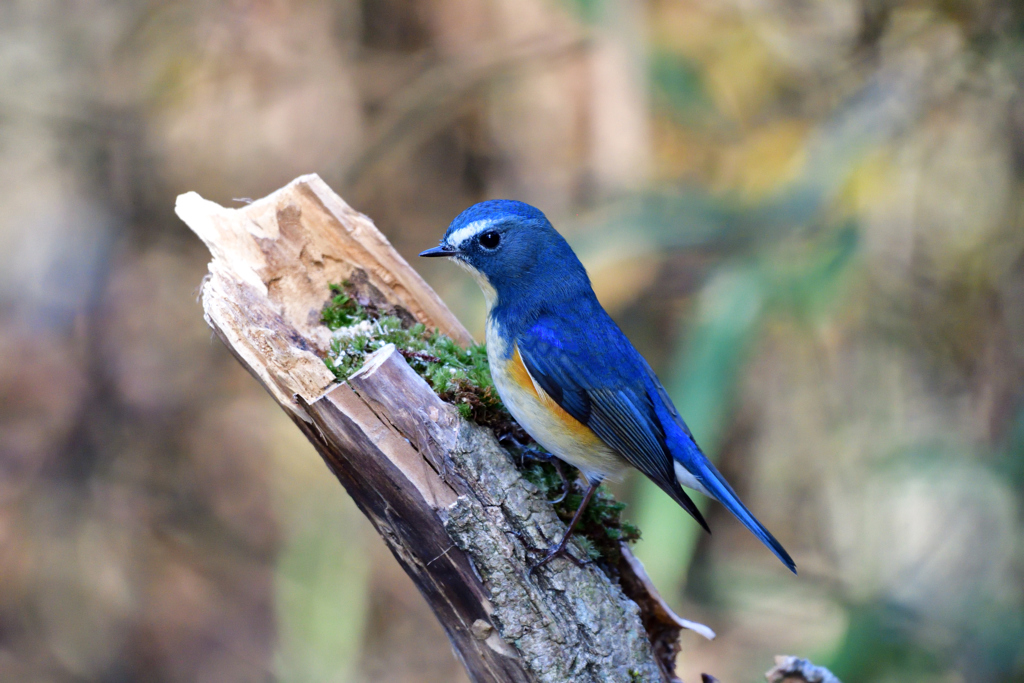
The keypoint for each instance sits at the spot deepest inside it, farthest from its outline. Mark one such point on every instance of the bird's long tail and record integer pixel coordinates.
(717, 486)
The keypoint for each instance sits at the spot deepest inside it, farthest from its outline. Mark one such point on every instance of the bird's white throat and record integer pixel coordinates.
(490, 294)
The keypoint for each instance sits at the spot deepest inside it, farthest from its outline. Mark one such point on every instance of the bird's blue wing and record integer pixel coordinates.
(606, 390)
(597, 376)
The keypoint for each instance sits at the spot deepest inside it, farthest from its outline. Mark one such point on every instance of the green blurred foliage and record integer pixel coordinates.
(588, 10)
(678, 86)
(319, 587)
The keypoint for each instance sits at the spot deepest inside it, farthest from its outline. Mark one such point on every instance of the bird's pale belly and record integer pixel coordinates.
(544, 420)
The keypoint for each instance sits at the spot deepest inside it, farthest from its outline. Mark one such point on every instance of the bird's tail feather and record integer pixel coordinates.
(718, 487)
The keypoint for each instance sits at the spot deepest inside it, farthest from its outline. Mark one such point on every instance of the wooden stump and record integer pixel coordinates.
(446, 498)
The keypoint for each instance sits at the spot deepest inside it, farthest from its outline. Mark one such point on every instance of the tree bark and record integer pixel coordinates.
(445, 497)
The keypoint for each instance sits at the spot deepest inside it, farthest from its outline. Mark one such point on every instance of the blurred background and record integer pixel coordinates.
(807, 214)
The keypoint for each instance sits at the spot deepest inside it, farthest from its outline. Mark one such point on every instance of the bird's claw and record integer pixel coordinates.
(565, 482)
(559, 550)
(541, 456)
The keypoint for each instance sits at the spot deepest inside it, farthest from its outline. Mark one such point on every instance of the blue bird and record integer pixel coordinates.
(568, 374)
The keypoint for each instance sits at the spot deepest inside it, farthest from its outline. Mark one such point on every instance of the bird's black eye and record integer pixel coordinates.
(489, 240)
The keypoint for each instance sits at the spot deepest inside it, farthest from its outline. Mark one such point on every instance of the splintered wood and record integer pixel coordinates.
(273, 261)
(445, 497)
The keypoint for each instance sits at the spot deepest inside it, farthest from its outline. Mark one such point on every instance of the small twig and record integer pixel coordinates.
(446, 550)
(419, 355)
(789, 669)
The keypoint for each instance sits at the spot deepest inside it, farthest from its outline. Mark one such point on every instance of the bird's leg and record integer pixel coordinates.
(562, 548)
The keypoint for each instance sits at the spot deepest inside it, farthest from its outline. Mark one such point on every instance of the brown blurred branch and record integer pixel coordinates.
(445, 497)
(433, 99)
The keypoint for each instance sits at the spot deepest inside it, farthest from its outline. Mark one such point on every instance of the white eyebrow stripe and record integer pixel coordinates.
(469, 231)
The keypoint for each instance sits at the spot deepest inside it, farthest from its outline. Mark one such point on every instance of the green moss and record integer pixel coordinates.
(342, 310)
(462, 377)
(362, 329)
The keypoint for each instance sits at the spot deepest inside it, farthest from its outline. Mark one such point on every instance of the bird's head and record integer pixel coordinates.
(512, 250)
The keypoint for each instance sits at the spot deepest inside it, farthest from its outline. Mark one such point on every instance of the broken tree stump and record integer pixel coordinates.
(445, 497)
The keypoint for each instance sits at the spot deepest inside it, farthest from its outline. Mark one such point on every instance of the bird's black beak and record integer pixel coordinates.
(440, 251)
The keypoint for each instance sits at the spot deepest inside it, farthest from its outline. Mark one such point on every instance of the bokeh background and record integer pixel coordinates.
(807, 214)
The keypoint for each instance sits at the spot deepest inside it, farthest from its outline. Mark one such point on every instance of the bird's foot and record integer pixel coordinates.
(541, 456)
(566, 485)
(530, 453)
(559, 550)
